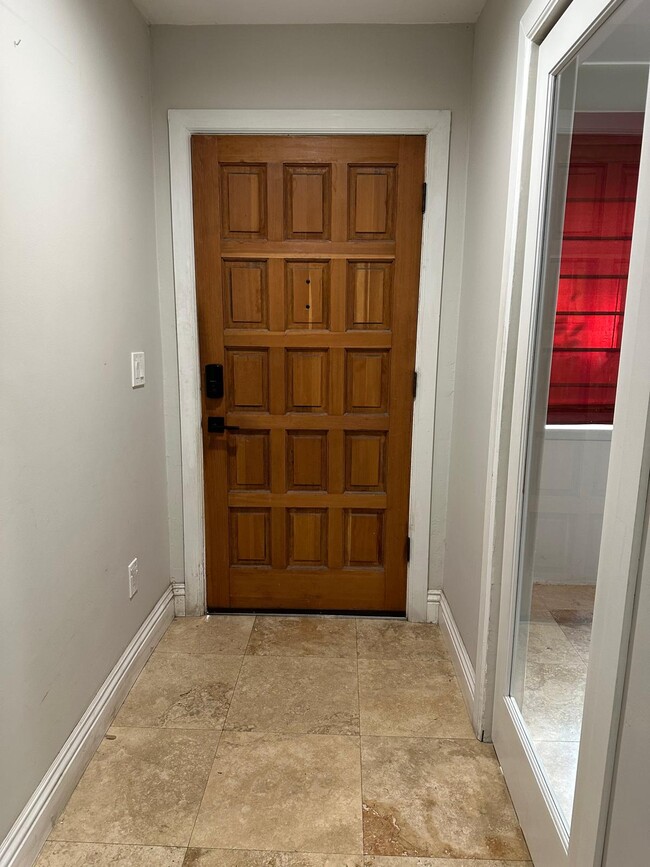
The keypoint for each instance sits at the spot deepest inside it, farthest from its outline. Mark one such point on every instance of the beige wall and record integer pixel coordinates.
(393, 67)
(82, 479)
(493, 87)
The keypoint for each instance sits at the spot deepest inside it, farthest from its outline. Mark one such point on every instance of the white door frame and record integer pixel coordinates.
(623, 523)
(435, 125)
(536, 22)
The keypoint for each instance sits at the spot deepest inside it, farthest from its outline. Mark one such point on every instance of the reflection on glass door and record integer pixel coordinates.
(596, 146)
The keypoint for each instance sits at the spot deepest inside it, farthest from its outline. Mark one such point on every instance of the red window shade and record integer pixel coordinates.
(598, 221)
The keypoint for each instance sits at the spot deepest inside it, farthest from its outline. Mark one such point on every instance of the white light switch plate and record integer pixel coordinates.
(137, 369)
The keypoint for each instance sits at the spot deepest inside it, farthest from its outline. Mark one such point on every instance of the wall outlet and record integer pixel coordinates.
(137, 369)
(133, 578)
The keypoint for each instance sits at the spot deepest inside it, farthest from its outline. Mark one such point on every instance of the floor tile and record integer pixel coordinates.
(580, 638)
(560, 760)
(248, 858)
(145, 787)
(565, 595)
(216, 633)
(286, 793)
(397, 639)
(303, 636)
(553, 699)
(379, 861)
(544, 643)
(539, 612)
(303, 695)
(576, 625)
(103, 855)
(411, 698)
(182, 690)
(437, 798)
(573, 616)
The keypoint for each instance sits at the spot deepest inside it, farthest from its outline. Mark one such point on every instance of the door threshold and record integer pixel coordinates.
(310, 612)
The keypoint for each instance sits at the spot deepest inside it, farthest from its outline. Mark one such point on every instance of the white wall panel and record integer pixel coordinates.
(570, 506)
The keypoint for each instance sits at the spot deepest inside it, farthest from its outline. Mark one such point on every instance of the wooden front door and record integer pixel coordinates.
(307, 269)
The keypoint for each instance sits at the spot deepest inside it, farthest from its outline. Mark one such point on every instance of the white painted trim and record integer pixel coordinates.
(433, 606)
(31, 829)
(579, 433)
(436, 126)
(459, 655)
(536, 22)
(178, 589)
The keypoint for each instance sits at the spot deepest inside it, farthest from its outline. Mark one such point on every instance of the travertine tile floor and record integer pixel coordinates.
(556, 657)
(291, 742)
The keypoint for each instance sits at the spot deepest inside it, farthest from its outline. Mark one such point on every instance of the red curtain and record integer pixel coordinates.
(598, 221)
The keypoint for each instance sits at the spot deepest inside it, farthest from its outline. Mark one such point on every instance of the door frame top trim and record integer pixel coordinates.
(436, 126)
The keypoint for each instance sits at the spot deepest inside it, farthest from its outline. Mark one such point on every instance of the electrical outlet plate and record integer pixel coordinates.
(137, 369)
(133, 578)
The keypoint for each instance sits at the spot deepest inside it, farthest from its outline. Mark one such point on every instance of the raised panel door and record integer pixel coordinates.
(307, 263)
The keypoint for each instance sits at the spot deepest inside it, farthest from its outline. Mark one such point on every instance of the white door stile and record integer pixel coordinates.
(546, 830)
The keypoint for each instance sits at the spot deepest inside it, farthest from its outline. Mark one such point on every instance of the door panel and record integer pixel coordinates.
(307, 267)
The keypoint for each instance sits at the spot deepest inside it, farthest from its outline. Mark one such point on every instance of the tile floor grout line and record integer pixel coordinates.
(285, 852)
(104, 843)
(185, 849)
(193, 653)
(295, 656)
(213, 730)
(221, 733)
(207, 779)
(223, 730)
(363, 841)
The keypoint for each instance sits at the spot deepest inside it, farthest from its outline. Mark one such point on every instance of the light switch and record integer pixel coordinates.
(137, 369)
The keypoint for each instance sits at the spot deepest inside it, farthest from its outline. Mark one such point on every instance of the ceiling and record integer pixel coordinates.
(310, 11)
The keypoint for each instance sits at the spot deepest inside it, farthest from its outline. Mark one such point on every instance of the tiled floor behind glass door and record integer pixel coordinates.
(291, 742)
(559, 634)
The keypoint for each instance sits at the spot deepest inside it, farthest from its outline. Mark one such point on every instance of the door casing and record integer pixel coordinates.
(421, 603)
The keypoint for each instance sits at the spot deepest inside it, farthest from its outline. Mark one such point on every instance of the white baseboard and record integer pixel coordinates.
(433, 606)
(31, 829)
(178, 589)
(460, 657)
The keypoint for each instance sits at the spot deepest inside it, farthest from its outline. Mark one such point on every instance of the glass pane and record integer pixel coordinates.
(599, 102)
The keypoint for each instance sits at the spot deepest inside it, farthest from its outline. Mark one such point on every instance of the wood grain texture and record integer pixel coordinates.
(307, 267)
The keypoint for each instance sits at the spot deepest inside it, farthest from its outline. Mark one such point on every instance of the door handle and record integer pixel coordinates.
(214, 381)
(216, 424)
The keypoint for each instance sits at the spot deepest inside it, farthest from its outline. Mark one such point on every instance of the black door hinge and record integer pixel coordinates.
(408, 549)
(424, 198)
(415, 384)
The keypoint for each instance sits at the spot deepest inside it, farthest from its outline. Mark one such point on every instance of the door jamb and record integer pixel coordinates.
(536, 22)
(436, 126)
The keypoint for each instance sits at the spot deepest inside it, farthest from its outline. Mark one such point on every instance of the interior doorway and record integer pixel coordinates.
(434, 126)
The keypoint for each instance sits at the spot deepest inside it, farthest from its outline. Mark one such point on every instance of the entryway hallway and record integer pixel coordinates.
(292, 742)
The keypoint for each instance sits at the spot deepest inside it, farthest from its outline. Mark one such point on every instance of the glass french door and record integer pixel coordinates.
(578, 472)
